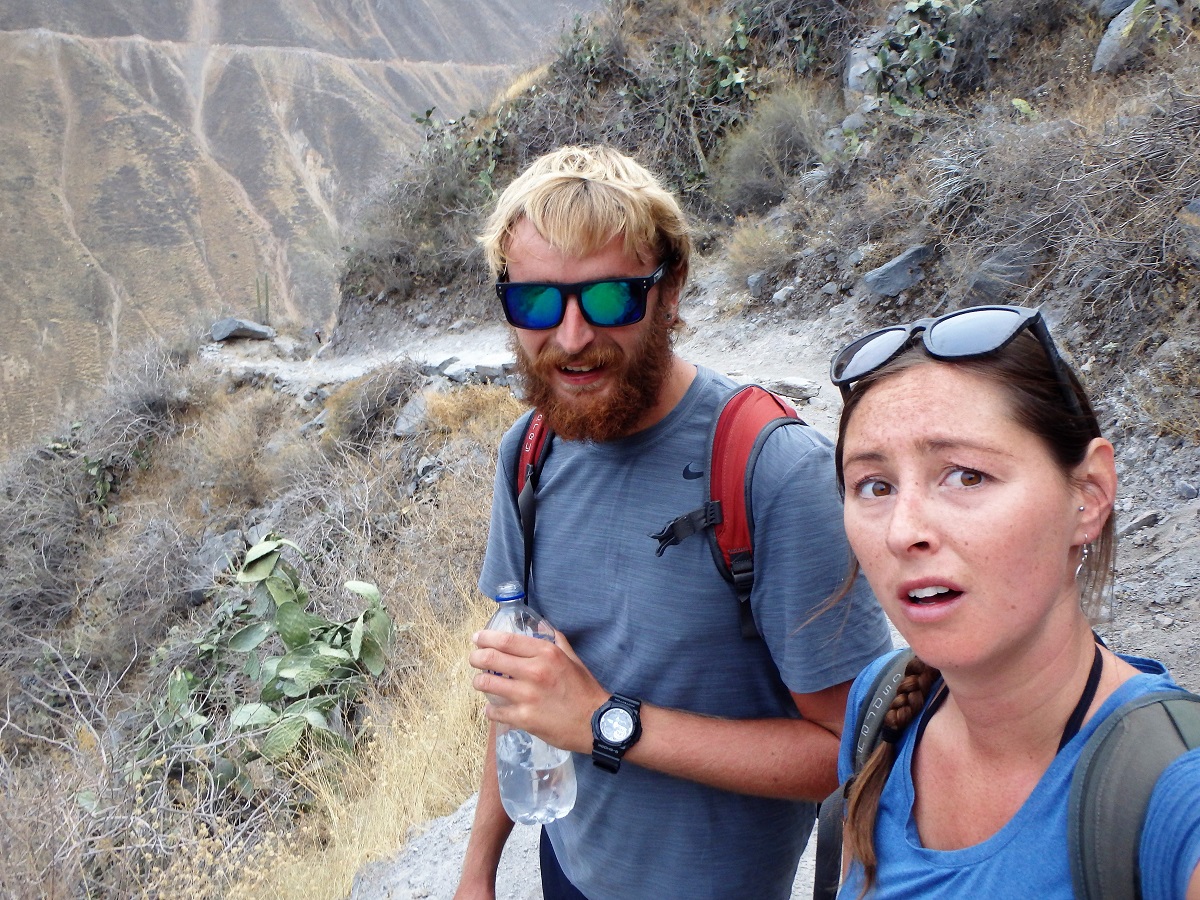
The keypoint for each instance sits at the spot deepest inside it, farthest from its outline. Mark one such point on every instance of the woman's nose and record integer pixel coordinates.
(911, 526)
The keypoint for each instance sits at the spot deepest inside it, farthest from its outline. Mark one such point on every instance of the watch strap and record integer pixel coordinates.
(607, 755)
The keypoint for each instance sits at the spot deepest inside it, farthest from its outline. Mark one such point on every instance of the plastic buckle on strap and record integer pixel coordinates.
(688, 524)
(741, 568)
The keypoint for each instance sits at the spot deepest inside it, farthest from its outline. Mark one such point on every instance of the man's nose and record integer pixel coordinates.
(574, 333)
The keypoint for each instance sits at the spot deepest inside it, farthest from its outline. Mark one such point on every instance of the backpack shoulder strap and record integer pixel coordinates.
(1111, 787)
(876, 702)
(741, 426)
(747, 418)
(867, 721)
(535, 447)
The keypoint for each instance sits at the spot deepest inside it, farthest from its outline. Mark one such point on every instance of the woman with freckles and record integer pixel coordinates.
(978, 501)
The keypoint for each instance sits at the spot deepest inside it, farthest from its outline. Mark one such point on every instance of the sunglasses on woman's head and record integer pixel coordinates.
(963, 334)
(608, 303)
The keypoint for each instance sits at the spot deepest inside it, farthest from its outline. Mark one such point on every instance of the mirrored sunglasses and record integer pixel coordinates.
(966, 333)
(608, 303)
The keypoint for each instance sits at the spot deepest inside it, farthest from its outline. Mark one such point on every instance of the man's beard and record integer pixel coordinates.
(634, 383)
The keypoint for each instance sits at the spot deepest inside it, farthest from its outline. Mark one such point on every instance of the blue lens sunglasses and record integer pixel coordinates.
(608, 303)
(963, 334)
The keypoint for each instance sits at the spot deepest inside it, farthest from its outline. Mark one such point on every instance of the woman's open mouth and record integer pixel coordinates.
(935, 593)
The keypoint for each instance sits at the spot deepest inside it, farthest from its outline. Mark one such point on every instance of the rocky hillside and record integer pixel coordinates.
(845, 165)
(161, 163)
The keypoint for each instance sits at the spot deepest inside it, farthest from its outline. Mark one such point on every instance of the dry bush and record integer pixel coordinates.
(79, 821)
(1098, 208)
(1010, 43)
(43, 516)
(419, 233)
(241, 455)
(758, 247)
(783, 138)
(358, 409)
(42, 826)
(58, 505)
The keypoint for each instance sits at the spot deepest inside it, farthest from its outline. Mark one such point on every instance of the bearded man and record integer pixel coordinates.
(711, 792)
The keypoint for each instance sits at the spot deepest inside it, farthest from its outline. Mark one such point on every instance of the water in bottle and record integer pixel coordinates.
(537, 781)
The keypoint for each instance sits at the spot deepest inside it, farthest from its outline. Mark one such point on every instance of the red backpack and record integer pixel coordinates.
(741, 426)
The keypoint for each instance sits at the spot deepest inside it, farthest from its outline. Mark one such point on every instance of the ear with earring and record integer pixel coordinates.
(1084, 550)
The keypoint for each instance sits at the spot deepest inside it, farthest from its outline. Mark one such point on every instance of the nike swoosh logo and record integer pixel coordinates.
(689, 473)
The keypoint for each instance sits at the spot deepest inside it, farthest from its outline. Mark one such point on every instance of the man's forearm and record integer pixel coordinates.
(489, 832)
(786, 758)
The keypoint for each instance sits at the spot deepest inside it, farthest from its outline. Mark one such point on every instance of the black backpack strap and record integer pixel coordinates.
(535, 447)
(1111, 787)
(875, 705)
(831, 819)
(867, 723)
(686, 525)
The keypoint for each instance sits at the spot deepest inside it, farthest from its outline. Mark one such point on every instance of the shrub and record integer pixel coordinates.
(758, 248)
(358, 409)
(783, 138)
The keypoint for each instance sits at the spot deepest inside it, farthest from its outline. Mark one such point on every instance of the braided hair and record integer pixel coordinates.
(911, 696)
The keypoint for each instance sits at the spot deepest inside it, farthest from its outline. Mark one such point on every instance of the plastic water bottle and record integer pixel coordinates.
(537, 781)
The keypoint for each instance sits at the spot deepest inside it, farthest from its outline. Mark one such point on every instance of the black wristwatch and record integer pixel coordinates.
(616, 726)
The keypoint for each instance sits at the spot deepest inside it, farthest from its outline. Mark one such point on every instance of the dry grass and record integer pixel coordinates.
(785, 136)
(758, 247)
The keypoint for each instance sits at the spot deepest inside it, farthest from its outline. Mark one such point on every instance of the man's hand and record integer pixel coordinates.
(545, 689)
(469, 891)
(551, 694)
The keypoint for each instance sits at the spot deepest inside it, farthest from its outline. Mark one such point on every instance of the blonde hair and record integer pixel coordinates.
(580, 198)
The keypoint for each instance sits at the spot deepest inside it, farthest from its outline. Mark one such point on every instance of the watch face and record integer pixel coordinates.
(616, 725)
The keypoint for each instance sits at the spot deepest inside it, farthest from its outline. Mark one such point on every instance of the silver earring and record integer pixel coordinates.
(1084, 552)
(1081, 509)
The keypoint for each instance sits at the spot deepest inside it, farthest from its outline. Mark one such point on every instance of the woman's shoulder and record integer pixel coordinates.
(1169, 850)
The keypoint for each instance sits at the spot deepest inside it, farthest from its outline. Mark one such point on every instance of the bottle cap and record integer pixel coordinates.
(510, 590)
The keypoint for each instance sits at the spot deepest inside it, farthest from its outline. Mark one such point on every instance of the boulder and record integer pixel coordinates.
(794, 387)
(230, 327)
(1110, 8)
(900, 273)
(1127, 36)
(1189, 229)
(413, 417)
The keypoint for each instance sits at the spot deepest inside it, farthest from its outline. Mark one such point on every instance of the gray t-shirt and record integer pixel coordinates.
(665, 629)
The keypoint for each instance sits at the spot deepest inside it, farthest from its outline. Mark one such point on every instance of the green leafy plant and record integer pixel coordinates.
(323, 664)
(300, 675)
(319, 665)
(917, 49)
